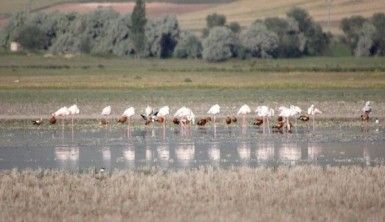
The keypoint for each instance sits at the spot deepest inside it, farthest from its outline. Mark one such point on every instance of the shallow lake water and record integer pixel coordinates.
(172, 148)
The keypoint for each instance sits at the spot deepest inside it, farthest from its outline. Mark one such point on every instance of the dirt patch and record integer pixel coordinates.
(154, 9)
(3, 22)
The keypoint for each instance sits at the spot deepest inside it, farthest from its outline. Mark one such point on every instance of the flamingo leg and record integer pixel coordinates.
(268, 125)
(313, 121)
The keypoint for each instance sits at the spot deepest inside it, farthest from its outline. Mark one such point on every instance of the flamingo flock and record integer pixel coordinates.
(184, 117)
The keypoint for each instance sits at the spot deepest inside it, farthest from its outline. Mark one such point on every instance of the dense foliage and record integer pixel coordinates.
(365, 36)
(106, 32)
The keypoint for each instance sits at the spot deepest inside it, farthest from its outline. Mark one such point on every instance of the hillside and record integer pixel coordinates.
(246, 11)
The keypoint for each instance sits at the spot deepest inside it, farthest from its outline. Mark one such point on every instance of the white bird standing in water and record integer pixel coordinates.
(244, 110)
(295, 112)
(286, 113)
(106, 112)
(265, 112)
(73, 110)
(214, 110)
(127, 114)
(62, 112)
(186, 116)
(312, 111)
(162, 113)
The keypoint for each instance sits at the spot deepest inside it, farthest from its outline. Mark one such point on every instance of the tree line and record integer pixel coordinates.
(105, 32)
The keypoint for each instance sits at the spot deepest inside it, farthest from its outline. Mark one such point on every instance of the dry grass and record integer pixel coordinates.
(301, 193)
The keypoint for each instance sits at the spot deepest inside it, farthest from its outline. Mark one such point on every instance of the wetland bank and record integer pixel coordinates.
(335, 172)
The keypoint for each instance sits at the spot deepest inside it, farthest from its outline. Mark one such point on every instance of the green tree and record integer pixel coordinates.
(316, 41)
(378, 20)
(352, 28)
(259, 41)
(138, 18)
(162, 36)
(214, 20)
(219, 45)
(32, 38)
(188, 46)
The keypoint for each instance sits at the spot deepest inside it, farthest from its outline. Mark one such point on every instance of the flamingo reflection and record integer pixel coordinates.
(214, 153)
(265, 152)
(163, 155)
(106, 154)
(67, 157)
(129, 156)
(290, 153)
(185, 154)
(244, 152)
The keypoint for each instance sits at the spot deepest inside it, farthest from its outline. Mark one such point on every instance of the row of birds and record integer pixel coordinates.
(185, 116)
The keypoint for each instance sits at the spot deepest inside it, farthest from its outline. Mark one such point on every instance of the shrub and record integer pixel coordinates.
(189, 46)
(220, 44)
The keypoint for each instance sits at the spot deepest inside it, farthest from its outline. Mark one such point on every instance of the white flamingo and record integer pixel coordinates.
(286, 113)
(106, 112)
(62, 112)
(186, 115)
(295, 112)
(244, 110)
(312, 111)
(73, 110)
(127, 114)
(367, 108)
(163, 112)
(265, 112)
(148, 115)
(214, 110)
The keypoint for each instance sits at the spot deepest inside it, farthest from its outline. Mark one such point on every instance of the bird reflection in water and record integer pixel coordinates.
(313, 152)
(265, 152)
(67, 157)
(129, 156)
(214, 154)
(163, 155)
(290, 153)
(185, 154)
(244, 152)
(106, 155)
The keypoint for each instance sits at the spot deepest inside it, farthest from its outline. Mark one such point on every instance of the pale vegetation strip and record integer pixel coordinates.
(285, 194)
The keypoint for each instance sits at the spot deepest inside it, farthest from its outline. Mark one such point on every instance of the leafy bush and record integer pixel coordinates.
(189, 46)
(259, 41)
(32, 38)
(220, 45)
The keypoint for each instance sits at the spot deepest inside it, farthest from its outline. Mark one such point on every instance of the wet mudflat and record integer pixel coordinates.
(172, 148)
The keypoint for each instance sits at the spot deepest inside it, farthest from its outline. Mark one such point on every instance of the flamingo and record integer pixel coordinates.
(214, 110)
(186, 116)
(265, 112)
(73, 110)
(106, 112)
(148, 115)
(127, 114)
(366, 110)
(312, 111)
(245, 109)
(161, 115)
(62, 112)
(285, 113)
(295, 111)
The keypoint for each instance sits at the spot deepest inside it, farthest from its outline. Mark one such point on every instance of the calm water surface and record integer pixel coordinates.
(171, 148)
